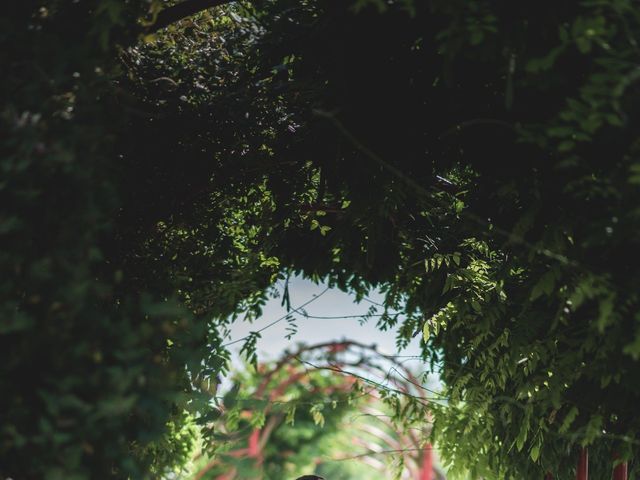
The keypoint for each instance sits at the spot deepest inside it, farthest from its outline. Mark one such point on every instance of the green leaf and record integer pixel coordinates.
(537, 65)
(476, 37)
(633, 348)
(291, 416)
(230, 398)
(572, 414)
(545, 285)
(566, 146)
(583, 44)
(211, 416)
(535, 452)
(426, 331)
(605, 314)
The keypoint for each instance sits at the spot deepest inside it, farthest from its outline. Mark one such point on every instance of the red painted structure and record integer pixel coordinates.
(620, 471)
(426, 472)
(419, 458)
(582, 472)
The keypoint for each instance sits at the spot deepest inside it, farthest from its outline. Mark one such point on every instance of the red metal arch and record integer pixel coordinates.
(422, 465)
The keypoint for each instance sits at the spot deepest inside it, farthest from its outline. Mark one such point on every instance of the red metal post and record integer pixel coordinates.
(426, 470)
(620, 470)
(582, 472)
(254, 446)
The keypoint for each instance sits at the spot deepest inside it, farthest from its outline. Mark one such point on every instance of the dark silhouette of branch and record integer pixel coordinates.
(182, 10)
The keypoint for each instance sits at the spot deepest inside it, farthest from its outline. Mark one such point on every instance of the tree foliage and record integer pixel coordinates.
(475, 160)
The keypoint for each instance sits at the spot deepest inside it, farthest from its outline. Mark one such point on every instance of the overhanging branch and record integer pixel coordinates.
(182, 10)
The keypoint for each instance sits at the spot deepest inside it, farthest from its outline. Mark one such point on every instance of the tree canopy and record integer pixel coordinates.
(476, 161)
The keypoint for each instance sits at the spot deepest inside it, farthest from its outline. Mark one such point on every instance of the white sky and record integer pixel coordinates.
(310, 330)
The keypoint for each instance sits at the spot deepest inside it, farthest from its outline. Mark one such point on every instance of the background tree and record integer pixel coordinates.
(94, 348)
